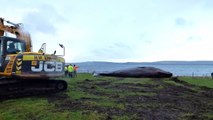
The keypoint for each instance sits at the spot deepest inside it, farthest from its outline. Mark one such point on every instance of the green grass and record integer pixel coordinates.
(39, 108)
(173, 83)
(29, 109)
(88, 116)
(199, 81)
(209, 115)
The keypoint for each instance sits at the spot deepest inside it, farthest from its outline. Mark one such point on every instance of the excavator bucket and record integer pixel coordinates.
(1, 33)
(1, 25)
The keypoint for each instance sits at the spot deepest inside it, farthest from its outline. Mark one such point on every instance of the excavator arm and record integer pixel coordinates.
(18, 31)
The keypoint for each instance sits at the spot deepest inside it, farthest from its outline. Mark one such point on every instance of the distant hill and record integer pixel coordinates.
(157, 63)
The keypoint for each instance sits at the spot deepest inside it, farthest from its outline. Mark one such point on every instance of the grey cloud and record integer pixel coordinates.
(194, 38)
(114, 51)
(180, 21)
(148, 41)
(42, 19)
(208, 4)
(121, 45)
(36, 22)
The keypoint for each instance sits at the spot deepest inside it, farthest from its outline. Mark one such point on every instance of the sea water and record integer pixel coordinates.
(176, 69)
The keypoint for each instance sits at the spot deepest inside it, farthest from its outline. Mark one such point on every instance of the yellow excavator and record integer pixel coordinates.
(22, 68)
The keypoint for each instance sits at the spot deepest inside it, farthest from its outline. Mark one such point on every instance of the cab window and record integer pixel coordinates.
(14, 47)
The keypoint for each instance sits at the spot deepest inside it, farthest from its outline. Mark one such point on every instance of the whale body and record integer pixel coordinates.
(139, 72)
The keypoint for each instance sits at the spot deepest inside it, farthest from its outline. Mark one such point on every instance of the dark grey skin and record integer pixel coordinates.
(139, 72)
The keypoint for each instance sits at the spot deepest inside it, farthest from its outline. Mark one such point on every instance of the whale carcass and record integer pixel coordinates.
(139, 72)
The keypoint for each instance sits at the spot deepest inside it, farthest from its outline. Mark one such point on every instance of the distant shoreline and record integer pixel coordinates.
(157, 62)
(178, 68)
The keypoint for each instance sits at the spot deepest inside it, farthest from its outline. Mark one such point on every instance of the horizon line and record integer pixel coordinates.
(148, 61)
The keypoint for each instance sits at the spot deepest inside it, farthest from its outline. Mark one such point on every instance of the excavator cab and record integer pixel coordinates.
(10, 46)
(17, 63)
(12, 49)
(13, 46)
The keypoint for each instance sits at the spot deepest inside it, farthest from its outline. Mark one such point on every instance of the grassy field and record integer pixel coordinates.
(106, 98)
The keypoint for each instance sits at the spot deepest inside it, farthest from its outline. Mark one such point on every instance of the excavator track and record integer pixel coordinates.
(25, 88)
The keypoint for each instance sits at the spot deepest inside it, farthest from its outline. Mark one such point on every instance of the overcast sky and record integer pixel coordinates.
(118, 30)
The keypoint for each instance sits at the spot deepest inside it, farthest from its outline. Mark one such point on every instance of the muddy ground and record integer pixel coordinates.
(154, 99)
(160, 100)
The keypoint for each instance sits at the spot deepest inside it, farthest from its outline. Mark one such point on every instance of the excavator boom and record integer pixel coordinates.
(18, 31)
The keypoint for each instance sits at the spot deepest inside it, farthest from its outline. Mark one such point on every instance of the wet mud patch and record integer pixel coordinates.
(172, 102)
(134, 87)
(91, 84)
